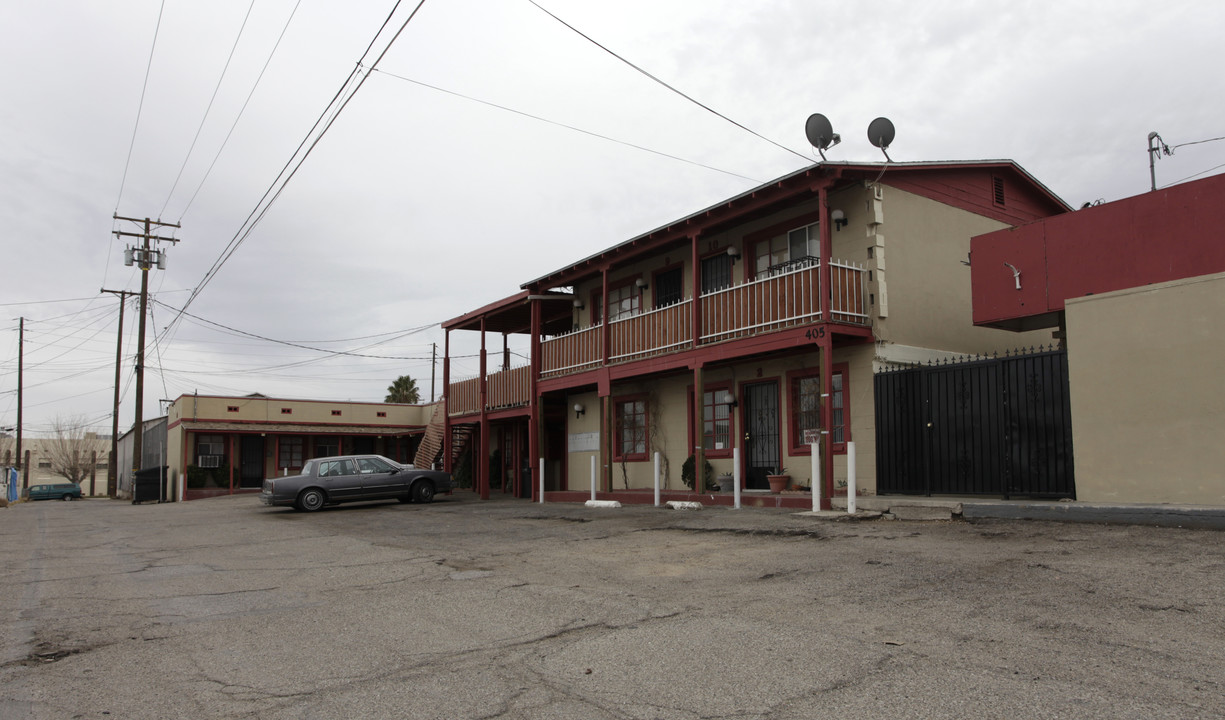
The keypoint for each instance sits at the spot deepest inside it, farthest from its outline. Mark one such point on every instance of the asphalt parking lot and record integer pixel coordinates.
(461, 609)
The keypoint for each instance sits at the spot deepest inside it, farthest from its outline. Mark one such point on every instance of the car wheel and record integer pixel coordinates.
(310, 500)
(66, 498)
(423, 492)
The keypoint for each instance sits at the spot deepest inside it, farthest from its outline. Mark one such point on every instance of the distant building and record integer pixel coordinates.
(222, 445)
(94, 447)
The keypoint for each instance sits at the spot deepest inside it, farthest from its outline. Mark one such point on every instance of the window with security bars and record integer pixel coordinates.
(716, 421)
(327, 447)
(716, 273)
(291, 452)
(806, 410)
(797, 248)
(669, 288)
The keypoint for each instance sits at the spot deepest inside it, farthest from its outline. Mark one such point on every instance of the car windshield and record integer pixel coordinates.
(308, 468)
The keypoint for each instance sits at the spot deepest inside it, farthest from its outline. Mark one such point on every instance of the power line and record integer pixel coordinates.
(302, 346)
(241, 110)
(140, 106)
(258, 212)
(1197, 142)
(207, 109)
(568, 127)
(709, 109)
(1202, 172)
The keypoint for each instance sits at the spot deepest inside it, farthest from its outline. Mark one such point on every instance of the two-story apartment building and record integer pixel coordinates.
(753, 325)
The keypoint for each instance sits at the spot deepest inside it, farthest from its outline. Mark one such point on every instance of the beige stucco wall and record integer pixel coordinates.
(254, 414)
(918, 249)
(269, 410)
(668, 412)
(1147, 394)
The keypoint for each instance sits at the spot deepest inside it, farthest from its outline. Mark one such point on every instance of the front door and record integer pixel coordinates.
(761, 433)
(251, 461)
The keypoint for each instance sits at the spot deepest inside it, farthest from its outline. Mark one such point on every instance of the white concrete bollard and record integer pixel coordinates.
(816, 475)
(657, 459)
(736, 478)
(850, 478)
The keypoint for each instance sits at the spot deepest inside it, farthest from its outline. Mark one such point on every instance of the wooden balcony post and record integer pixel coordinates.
(696, 315)
(825, 281)
(482, 462)
(825, 274)
(447, 449)
(827, 417)
(607, 438)
(698, 430)
(606, 331)
(533, 403)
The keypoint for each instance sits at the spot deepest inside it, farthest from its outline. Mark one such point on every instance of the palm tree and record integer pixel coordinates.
(403, 390)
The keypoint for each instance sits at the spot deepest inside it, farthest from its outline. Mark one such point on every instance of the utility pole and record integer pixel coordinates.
(21, 339)
(112, 465)
(1154, 154)
(433, 365)
(145, 256)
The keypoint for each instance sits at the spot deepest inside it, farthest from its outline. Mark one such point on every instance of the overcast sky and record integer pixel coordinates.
(424, 201)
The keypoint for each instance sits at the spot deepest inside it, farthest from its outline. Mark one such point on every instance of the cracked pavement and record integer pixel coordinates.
(461, 609)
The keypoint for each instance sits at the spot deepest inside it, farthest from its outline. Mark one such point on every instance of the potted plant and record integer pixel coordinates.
(688, 474)
(779, 480)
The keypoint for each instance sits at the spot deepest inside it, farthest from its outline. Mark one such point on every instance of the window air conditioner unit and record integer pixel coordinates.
(209, 461)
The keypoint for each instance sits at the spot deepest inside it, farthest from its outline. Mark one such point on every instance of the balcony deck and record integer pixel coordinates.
(777, 301)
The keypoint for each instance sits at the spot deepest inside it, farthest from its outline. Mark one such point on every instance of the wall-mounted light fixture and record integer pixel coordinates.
(839, 219)
(733, 252)
(579, 410)
(641, 283)
(578, 304)
(729, 400)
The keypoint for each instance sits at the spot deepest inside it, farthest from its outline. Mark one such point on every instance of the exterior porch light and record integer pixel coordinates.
(729, 400)
(579, 410)
(839, 219)
(733, 252)
(578, 304)
(641, 283)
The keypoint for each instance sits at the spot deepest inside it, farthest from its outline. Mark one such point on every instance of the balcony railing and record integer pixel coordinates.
(503, 389)
(572, 352)
(784, 297)
(652, 333)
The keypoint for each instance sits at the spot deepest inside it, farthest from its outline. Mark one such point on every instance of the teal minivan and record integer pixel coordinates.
(58, 491)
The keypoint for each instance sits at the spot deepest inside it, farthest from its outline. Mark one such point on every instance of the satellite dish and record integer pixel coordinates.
(821, 133)
(880, 134)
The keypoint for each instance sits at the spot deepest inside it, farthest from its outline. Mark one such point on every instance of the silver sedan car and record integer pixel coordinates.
(349, 478)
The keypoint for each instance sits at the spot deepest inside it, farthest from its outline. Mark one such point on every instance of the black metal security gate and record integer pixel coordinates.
(999, 426)
(251, 461)
(762, 442)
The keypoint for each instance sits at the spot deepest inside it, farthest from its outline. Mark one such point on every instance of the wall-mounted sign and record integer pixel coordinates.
(584, 442)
